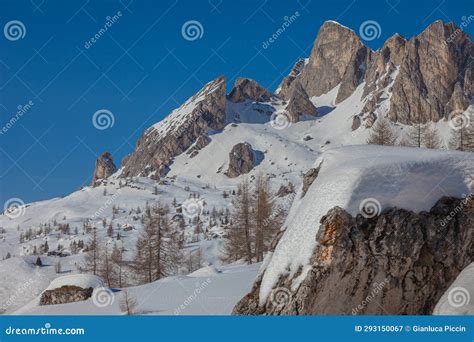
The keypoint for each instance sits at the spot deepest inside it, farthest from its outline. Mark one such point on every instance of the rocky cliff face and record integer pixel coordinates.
(299, 103)
(283, 90)
(397, 263)
(432, 64)
(104, 167)
(426, 77)
(247, 89)
(177, 132)
(242, 160)
(338, 57)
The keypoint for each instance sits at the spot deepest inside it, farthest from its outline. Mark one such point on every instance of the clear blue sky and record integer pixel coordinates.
(142, 68)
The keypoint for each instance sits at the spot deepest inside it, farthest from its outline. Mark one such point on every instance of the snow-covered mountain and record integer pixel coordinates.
(196, 157)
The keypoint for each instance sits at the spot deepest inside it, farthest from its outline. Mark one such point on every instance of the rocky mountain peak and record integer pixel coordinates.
(283, 90)
(248, 89)
(178, 131)
(104, 168)
(338, 57)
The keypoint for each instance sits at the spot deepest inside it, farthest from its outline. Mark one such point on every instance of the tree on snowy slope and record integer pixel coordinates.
(462, 139)
(91, 260)
(265, 223)
(158, 250)
(239, 241)
(382, 133)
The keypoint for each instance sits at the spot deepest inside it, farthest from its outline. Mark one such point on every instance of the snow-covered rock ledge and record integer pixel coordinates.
(371, 219)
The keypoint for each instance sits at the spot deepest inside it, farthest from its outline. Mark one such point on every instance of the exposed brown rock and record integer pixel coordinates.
(174, 135)
(104, 168)
(65, 294)
(248, 89)
(398, 263)
(284, 87)
(337, 56)
(309, 178)
(433, 63)
(299, 103)
(242, 160)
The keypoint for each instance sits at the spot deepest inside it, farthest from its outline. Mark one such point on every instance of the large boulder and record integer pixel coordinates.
(65, 294)
(242, 159)
(104, 168)
(397, 263)
(248, 89)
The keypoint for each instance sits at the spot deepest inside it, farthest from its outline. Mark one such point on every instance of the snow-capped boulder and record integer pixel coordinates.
(375, 223)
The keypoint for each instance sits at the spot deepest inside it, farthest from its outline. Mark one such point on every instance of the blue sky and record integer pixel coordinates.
(142, 67)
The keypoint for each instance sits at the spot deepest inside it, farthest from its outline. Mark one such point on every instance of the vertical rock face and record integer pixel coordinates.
(247, 89)
(283, 90)
(299, 103)
(242, 160)
(104, 168)
(177, 132)
(432, 65)
(424, 78)
(398, 263)
(337, 56)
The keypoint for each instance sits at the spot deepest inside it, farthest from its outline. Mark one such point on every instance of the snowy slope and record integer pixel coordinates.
(356, 176)
(205, 292)
(459, 298)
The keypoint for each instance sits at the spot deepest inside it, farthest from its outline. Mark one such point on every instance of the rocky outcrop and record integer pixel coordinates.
(338, 57)
(309, 178)
(283, 90)
(175, 134)
(201, 142)
(242, 159)
(248, 89)
(65, 294)
(104, 168)
(397, 263)
(432, 64)
(299, 103)
(458, 101)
